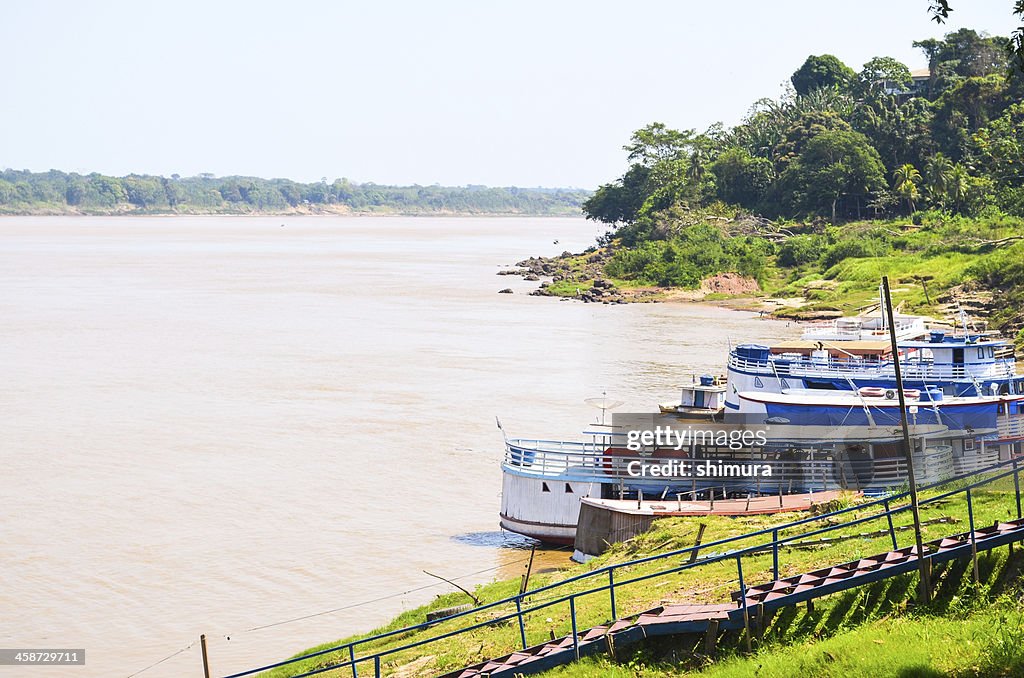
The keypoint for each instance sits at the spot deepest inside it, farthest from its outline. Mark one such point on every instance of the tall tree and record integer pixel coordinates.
(655, 143)
(834, 164)
(883, 75)
(818, 72)
(941, 9)
(741, 178)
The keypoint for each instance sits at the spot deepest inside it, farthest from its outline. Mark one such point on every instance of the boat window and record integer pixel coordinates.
(544, 487)
(758, 383)
(568, 488)
(968, 444)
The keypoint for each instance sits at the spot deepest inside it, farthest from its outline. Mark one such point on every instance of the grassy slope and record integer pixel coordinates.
(982, 639)
(708, 583)
(947, 251)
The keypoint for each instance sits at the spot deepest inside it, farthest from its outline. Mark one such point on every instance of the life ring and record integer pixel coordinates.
(872, 392)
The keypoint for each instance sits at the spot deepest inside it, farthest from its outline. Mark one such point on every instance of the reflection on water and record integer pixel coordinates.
(515, 552)
(497, 539)
(221, 426)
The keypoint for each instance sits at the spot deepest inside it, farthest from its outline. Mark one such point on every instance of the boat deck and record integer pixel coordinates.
(718, 507)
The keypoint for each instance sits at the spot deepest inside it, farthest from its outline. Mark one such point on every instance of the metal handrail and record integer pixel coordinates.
(608, 570)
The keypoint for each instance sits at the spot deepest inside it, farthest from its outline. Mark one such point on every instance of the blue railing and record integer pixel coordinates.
(780, 364)
(608, 573)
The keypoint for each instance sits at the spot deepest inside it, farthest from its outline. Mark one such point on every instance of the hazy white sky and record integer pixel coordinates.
(515, 93)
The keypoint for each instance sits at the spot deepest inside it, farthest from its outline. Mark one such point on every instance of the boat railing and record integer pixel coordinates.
(835, 329)
(1010, 427)
(792, 469)
(804, 366)
(975, 460)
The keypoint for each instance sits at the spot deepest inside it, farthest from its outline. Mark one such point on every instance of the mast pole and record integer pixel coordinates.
(914, 509)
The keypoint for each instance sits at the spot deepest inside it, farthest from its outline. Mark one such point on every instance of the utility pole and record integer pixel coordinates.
(926, 589)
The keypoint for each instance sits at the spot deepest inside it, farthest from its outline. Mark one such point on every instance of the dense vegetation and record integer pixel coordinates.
(54, 192)
(847, 175)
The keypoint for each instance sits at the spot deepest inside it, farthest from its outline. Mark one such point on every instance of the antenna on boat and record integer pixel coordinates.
(604, 404)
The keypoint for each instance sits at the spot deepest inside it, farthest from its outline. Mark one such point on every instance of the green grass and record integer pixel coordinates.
(709, 583)
(969, 630)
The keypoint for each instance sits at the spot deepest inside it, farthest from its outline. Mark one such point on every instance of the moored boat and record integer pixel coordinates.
(545, 480)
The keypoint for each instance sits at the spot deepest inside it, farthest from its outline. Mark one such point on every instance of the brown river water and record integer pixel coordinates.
(226, 425)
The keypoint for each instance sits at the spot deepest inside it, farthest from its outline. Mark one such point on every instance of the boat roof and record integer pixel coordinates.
(954, 342)
(862, 345)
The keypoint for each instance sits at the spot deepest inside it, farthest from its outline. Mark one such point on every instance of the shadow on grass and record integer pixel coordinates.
(954, 592)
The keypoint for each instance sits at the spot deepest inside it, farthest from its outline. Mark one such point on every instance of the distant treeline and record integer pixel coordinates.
(55, 192)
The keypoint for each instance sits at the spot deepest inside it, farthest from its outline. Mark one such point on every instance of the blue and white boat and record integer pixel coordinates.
(958, 366)
(830, 399)
(874, 406)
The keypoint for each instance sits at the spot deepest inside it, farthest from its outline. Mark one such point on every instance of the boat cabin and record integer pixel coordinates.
(703, 398)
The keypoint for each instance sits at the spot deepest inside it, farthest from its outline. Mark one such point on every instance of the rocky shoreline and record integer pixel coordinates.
(579, 277)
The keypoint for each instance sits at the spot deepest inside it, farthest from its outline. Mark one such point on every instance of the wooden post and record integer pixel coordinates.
(696, 542)
(609, 640)
(206, 658)
(711, 637)
(529, 568)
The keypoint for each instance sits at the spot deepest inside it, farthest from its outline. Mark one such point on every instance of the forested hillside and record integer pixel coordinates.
(55, 192)
(851, 174)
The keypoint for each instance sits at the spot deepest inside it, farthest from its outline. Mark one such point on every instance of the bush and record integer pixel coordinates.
(684, 260)
(800, 250)
(855, 249)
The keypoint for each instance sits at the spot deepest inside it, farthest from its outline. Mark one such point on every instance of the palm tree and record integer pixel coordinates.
(905, 180)
(936, 178)
(959, 185)
(696, 170)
